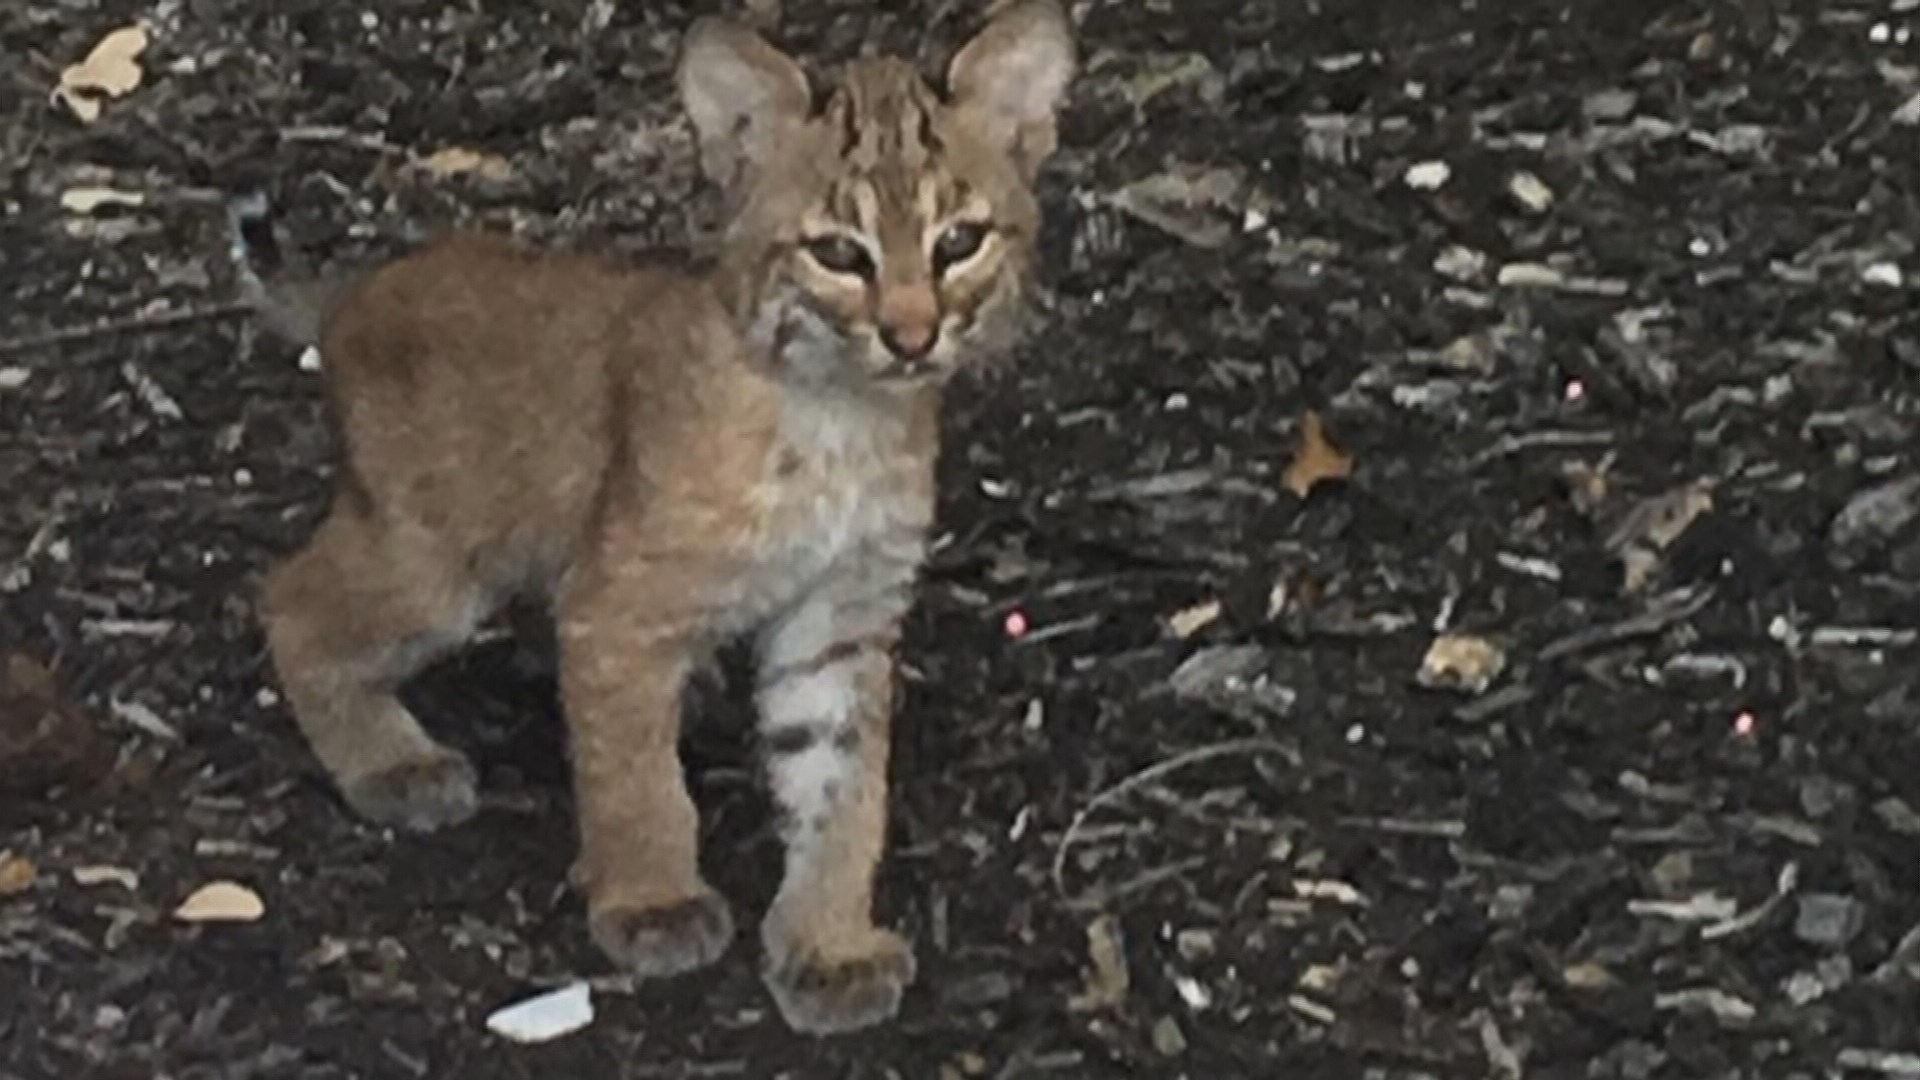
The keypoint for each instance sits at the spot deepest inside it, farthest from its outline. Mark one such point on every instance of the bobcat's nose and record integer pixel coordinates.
(910, 341)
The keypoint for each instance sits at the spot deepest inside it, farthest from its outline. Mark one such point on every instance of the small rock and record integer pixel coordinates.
(1461, 662)
(1610, 105)
(1828, 919)
(1884, 274)
(1530, 192)
(1168, 1039)
(1428, 175)
(545, 1017)
(1195, 943)
(1460, 263)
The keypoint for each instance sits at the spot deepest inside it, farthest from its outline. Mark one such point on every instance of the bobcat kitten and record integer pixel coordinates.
(674, 459)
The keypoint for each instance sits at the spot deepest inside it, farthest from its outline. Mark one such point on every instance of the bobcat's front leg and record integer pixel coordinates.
(826, 703)
(627, 630)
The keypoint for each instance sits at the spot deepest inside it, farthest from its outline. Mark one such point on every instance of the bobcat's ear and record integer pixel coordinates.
(739, 91)
(1011, 79)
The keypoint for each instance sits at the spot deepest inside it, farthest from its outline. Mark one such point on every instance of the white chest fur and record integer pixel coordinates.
(837, 486)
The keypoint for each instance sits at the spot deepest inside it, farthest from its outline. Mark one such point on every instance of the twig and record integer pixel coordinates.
(1439, 828)
(1147, 776)
(1674, 607)
(133, 324)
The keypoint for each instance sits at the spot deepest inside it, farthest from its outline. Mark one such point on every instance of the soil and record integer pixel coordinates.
(1630, 400)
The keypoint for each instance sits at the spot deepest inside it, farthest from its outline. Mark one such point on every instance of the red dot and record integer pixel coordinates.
(1016, 624)
(1744, 724)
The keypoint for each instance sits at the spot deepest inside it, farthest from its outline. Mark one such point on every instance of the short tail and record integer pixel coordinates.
(294, 308)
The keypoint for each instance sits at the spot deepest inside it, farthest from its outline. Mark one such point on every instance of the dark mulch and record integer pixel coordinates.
(1674, 838)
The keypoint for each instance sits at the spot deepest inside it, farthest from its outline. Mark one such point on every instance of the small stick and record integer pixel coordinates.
(133, 324)
(1147, 776)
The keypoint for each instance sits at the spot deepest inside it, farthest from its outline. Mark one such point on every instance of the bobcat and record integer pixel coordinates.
(673, 459)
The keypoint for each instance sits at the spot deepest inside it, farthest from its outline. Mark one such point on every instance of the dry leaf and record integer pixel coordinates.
(111, 70)
(460, 161)
(221, 901)
(85, 200)
(1316, 460)
(1461, 661)
(16, 874)
(1108, 982)
(1189, 621)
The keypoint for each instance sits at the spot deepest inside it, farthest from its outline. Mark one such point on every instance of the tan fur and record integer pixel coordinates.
(675, 459)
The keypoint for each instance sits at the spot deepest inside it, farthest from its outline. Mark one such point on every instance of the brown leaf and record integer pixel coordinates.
(1317, 459)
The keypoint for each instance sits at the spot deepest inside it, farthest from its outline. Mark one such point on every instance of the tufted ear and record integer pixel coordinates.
(1012, 77)
(739, 91)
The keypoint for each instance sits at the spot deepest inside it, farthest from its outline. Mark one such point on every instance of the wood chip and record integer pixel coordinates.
(90, 876)
(17, 874)
(460, 161)
(85, 200)
(1189, 621)
(1108, 979)
(221, 901)
(1316, 459)
(111, 70)
(1461, 662)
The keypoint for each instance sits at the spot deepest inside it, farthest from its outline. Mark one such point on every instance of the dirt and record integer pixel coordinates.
(1672, 836)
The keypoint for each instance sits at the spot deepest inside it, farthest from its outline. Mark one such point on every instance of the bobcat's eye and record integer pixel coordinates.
(958, 243)
(838, 254)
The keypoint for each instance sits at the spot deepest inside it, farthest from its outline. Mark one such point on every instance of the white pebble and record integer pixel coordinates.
(1883, 273)
(545, 1017)
(1428, 175)
(1531, 192)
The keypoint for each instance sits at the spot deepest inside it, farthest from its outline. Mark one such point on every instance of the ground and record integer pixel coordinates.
(1608, 305)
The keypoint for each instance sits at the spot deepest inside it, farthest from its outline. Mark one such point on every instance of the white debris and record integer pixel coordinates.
(13, 378)
(1531, 192)
(1908, 114)
(545, 1017)
(1709, 999)
(1883, 273)
(1526, 275)
(144, 718)
(95, 875)
(1197, 996)
(1460, 263)
(310, 359)
(151, 394)
(1704, 907)
(1428, 175)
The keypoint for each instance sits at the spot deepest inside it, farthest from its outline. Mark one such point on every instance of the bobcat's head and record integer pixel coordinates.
(880, 231)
